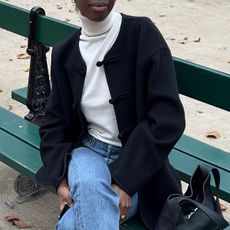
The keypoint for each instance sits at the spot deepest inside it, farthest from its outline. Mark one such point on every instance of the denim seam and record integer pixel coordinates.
(77, 204)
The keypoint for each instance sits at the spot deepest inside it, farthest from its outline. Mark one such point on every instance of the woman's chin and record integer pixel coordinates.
(98, 13)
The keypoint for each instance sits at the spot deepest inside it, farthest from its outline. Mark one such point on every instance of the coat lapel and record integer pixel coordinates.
(76, 70)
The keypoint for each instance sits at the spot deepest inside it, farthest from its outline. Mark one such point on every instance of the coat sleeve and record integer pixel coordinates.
(150, 143)
(54, 145)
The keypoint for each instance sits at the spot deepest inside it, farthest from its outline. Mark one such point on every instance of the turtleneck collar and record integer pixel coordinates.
(91, 28)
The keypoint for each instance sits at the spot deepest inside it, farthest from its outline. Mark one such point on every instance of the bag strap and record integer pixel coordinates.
(215, 217)
(206, 171)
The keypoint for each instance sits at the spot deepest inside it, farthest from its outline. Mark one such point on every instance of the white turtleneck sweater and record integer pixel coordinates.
(95, 41)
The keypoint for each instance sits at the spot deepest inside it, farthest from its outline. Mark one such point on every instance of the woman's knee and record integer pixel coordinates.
(88, 171)
(92, 181)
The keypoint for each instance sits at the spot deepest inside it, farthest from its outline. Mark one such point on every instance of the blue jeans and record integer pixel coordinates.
(96, 203)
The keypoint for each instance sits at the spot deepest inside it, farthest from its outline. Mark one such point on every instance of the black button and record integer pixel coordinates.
(111, 101)
(99, 63)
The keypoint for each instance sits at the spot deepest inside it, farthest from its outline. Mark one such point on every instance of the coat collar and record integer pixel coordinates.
(76, 66)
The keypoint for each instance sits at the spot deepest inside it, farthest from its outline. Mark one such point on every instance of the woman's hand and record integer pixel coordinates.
(125, 201)
(64, 194)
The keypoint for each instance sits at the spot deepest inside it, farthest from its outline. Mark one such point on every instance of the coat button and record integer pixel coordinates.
(112, 101)
(99, 63)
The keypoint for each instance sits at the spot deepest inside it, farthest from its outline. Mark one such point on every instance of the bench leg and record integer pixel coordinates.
(27, 191)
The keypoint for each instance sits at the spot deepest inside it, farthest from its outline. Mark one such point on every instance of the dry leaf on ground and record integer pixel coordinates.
(213, 134)
(170, 38)
(59, 7)
(223, 208)
(197, 39)
(14, 220)
(23, 56)
(10, 107)
(26, 70)
(184, 41)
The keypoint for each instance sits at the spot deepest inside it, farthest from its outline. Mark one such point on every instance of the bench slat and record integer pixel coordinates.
(20, 95)
(203, 83)
(18, 155)
(204, 152)
(19, 127)
(50, 30)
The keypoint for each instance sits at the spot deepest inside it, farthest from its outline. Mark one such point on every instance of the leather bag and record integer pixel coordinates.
(197, 209)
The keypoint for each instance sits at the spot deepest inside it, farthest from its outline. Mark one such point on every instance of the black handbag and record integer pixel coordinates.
(197, 209)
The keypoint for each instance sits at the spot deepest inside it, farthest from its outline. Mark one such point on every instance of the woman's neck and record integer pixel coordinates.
(93, 28)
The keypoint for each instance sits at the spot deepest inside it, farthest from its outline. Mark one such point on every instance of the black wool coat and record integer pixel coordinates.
(142, 82)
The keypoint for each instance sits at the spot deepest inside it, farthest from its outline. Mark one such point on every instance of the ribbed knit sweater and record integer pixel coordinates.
(95, 41)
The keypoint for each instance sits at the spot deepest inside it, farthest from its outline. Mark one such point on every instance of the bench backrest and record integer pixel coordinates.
(195, 81)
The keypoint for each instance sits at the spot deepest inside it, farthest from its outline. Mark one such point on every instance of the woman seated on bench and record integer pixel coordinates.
(113, 117)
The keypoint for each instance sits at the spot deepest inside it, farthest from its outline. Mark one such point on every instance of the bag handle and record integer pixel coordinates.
(216, 218)
(207, 171)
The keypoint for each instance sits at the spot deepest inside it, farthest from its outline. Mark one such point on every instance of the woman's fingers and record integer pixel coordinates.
(125, 205)
(125, 201)
(64, 196)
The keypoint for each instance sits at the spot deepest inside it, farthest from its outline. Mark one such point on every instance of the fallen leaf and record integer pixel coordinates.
(59, 7)
(1, 90)
(223, 48)
(228, 62)
(10, 59)
(197, 39)
(14, 220)
(162, 15)
(10, 107)
(223, 208)
(23, 46)
(26, 69)
(170, 38)
(183, 42)
(67, 19)
(213, 134)
(23, 56)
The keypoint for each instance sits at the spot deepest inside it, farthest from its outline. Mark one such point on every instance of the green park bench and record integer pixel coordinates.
(19, 139)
